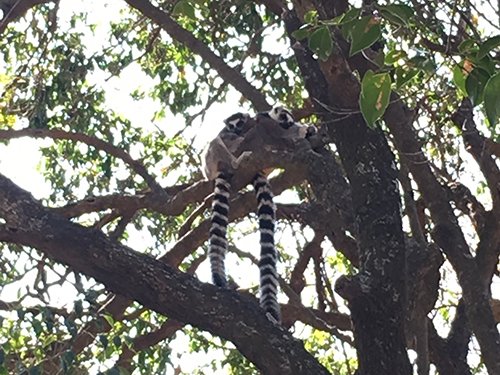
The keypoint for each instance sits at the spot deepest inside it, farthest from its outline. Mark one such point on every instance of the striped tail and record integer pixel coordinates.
(268, 254)
(218, 243)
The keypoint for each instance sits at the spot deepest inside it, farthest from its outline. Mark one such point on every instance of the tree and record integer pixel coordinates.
(394, 206)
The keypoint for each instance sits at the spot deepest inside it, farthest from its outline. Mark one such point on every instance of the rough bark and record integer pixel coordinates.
(376, 295)
(449, 236)
(157, 286)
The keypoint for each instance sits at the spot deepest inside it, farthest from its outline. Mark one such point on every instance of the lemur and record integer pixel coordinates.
(286, 121)
(219, 163)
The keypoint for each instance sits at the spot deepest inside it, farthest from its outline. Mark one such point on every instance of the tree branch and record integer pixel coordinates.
(377, 291)
(13, 9)
(97, 143)
(475, 143)
(447, 232)
(224, 313)
(295, 164)
(183, 36)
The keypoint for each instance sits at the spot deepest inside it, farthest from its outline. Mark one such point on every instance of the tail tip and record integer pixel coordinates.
(219, 280)
(274, 316)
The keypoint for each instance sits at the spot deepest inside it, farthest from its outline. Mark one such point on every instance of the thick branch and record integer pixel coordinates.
(137, 276)
(377, 292)
(443, 356)
(447, 233)
(466, 202)
(475, 143)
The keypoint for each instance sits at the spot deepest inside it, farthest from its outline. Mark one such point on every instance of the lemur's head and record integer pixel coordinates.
(281, 114)
(236, 122)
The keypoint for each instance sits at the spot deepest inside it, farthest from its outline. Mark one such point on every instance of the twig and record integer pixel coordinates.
(97, 143)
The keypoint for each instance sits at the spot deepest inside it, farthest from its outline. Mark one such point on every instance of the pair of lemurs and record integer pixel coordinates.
(222, 157)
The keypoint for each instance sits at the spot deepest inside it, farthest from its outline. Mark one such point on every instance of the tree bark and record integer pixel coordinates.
(224, 313)
(377, 294)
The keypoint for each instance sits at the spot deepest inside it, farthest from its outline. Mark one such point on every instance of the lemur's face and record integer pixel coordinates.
(281, 114)
(236, 122)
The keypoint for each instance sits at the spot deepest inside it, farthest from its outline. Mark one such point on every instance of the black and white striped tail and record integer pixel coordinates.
(218, 243)
(266, 212)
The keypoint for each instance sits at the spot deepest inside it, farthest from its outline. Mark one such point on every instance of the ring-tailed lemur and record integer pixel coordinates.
(286, 121)
(219, 163)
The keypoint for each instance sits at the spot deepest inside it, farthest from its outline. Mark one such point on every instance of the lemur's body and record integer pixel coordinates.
(220, 161)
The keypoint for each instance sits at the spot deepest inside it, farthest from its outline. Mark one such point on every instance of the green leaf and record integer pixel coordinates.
(67, 360)
(487, 46)
(350, 15)
(394, 55)
(184, 8)
(104, 341)
(475, 83)
(423, 62)
(399, 14)
(459, 78)
(109, 319)
(467, 46)
(492, 99)
(37, 327)
(302, 33)
(321, 43)
(311, 16)
(71, 326)
(404, 75)
(364, 33)
(375, 95)
(486, 63)
(78, 306)
(20, 314)
(117, 341)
